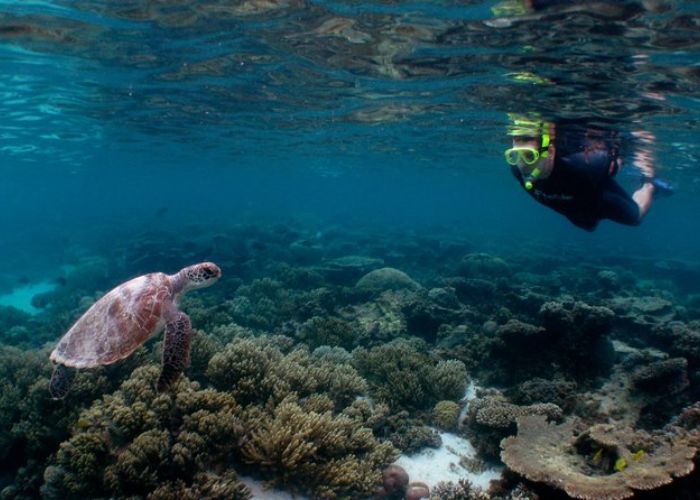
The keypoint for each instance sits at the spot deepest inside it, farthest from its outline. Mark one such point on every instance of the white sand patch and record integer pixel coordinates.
(432, 466)
(21, 298)
(261, 493)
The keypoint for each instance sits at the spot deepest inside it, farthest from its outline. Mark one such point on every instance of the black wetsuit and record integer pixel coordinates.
(581, 185)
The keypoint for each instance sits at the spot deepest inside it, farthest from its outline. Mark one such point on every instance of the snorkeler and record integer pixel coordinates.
(571, 170)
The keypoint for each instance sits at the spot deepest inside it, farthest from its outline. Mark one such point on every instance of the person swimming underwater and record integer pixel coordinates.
(571, 168)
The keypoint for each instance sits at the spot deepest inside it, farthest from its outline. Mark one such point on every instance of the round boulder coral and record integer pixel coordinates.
(445, 415)
(386, 278)
(483, 265)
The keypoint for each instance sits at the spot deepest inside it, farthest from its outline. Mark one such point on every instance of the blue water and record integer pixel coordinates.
(345, 112)
(121, 120)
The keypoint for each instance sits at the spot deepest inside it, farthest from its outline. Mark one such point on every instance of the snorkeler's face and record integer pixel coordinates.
(528, 149)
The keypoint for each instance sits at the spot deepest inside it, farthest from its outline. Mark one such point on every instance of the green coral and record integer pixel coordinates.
(33, 424)
(403, 375)
(261, 304)
(225, 486)
(333, 456)
(449, 379)
(255, 372)
(483, 265)
(407, 433)
(136, 440)
(319, 331)
(445, 415)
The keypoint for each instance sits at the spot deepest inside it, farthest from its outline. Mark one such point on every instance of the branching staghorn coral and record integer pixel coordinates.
(402, 375)
(601, 461)
(255, 372)
(32, 423)
(330, 331)
(333, 456)
(136, 441)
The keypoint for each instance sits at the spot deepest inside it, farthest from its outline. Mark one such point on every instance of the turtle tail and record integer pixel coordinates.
(61, 380)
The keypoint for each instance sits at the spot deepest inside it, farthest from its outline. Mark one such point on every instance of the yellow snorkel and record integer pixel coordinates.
(524, 127)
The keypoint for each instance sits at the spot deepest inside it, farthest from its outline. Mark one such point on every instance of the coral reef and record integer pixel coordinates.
(402, 375)
(348, 269)
(538, 390)
(417, 490)
(662, 378)
(491, 418)
(602, 461)
(394, 481)
(445, 415)
(319, 331)
(330, 456)
(316, 361)
(139, 442)
(679, 339)
(379, 320)
(461, 490)
(572, 339)
(386, 278)
(255, 372)
(406, 432)
(33, 424)
(482, 265)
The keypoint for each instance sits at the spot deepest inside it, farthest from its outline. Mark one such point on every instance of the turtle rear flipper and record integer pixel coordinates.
(61, 380)
(176, 351)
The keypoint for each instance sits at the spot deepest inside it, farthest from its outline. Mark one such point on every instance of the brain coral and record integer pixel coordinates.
(600, 462)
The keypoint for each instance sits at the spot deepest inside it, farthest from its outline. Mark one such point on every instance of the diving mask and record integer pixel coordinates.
(529, 156)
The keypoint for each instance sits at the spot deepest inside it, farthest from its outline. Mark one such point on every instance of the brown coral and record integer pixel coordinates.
(333, 456)
(135, 441)
(601, 462)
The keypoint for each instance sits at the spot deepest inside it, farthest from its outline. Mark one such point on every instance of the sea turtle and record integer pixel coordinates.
(125, 318)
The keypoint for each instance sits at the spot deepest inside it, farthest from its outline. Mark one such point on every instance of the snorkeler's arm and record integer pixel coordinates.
(644, 161)
(643, 158)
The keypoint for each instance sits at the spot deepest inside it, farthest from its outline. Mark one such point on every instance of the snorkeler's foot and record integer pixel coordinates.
(661, 187)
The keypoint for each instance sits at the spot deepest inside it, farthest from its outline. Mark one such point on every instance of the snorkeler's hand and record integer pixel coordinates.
(661, 186)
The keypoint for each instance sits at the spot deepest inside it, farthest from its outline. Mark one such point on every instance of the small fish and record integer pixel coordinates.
(620, 464)
(597, 456)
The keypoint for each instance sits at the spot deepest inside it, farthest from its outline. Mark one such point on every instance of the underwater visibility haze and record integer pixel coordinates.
(396, 317)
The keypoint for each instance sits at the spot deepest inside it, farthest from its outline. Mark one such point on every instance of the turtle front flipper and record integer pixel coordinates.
(176, 351)
(61, 380)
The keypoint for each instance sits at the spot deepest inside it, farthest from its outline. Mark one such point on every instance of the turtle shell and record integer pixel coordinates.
(117, 324)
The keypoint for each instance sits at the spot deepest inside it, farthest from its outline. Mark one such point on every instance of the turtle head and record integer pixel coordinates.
(199, 275)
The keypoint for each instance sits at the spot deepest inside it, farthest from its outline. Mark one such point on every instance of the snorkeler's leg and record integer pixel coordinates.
(643, 198)
(617, 205)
